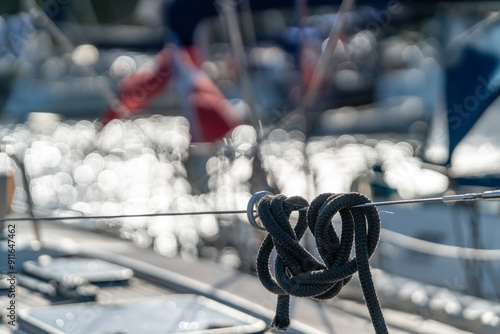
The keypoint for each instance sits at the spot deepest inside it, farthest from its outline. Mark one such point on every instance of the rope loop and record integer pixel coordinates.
(297, 272)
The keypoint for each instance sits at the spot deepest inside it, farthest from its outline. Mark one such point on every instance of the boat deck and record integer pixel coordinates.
(158, 275)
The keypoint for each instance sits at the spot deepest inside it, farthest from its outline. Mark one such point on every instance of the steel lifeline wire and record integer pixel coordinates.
(251, 213)
(297, 272)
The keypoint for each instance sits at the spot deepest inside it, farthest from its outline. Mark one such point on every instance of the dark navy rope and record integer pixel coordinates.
(297, 272)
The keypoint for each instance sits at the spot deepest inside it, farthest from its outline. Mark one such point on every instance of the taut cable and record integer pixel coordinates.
(160, 214)
(252, 204)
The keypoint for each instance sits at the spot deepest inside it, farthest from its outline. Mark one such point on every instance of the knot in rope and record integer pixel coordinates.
(297, 272)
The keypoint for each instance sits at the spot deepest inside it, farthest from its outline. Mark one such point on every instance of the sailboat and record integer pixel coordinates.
(155, 277)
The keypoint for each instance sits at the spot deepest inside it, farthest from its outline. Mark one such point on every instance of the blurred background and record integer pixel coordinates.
(144, 106)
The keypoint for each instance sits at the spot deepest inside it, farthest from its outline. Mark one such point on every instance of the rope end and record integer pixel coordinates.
(280, 323)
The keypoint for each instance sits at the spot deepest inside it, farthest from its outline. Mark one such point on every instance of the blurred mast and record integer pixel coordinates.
(228, 11)
(322, 69)
(247, 20)
(301, 14)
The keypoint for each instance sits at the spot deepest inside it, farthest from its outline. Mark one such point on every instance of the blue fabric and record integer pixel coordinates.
(469, 92)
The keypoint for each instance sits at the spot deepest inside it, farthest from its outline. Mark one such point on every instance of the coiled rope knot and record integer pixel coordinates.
(297, 272)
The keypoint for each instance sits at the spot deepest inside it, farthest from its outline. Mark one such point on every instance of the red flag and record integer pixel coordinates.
(208, 111)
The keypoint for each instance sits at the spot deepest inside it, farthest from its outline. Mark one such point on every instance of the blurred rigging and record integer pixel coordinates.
(389, 84)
